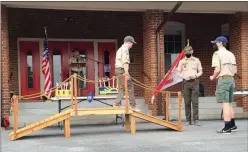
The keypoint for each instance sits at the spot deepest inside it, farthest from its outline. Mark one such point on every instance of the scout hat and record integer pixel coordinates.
(220, 39)
(129, 39)
(188, 49)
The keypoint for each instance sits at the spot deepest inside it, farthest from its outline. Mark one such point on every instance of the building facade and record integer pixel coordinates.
(99, 32)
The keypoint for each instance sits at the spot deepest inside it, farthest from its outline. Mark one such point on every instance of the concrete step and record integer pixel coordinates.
(208, 113)
(209, 116)
(211, 99)
(203, 105)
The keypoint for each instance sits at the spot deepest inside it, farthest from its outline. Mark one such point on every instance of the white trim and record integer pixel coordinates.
(96, 50)
(172, 26)
(195, 7)
(42, 79)
(41, 47)
(19, 71)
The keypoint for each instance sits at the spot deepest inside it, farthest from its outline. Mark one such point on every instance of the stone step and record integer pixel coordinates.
(211, 99)
(209, 111)
(203, 105)
(209, 116)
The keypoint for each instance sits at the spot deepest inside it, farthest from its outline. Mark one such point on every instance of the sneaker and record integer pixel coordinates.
(187, 123)
(224, 131)
(234, 128)
(197, 123)
(116, 105)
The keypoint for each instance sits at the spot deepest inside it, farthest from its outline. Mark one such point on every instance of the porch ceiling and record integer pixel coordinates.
(187, 7)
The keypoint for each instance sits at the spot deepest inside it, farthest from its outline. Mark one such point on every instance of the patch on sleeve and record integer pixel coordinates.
(215, 60)
(125, 56)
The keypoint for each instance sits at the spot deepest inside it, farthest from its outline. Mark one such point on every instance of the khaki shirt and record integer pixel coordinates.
(226, 61)
(76, 68)
(122, 57)
(189, 67)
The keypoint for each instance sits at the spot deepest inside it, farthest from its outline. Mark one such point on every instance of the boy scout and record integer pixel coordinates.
(190, 70)
(76, 68)
(224, 63)
(75, 58)
(122, 62)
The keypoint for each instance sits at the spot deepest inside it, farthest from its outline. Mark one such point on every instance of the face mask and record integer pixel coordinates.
(215, 47)
(188, 55)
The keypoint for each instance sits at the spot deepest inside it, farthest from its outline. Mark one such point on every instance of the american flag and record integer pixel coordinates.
(46, 68)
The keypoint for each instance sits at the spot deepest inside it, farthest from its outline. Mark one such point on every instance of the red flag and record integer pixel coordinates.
(171, 78)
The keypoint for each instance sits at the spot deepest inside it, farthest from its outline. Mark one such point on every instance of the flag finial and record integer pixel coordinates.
(187, 42)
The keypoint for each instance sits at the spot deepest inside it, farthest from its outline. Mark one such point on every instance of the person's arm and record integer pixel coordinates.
(126, 60)
(126, 68)
(199, 69)
(216, 65)
(179, 69)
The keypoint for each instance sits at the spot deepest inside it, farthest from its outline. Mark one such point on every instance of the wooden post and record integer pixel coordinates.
(126, 93)
(67, 128)
(75, 93)
(133, 124)
(167, 106)
(72, 91)
(179, 108)
(15, 102)
(127, 122)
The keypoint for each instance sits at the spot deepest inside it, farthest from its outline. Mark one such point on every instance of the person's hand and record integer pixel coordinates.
(192, 77)
(211, 78)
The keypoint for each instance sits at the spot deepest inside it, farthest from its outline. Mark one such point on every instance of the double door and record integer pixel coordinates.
(59, 55)
(32, 79)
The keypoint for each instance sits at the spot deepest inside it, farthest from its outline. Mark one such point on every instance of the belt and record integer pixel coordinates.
(225, 76)
(191, 80)
(119, 68)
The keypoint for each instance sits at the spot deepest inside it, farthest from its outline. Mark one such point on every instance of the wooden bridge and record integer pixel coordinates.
(130, 115)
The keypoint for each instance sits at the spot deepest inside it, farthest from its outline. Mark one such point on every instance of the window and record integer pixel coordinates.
(173, 42)
(107, 66)
(83, 74)
(30, 69)
(56, 66)
(225, 32)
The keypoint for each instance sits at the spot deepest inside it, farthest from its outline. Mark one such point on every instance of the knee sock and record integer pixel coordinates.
(228, 125)
(233, 122)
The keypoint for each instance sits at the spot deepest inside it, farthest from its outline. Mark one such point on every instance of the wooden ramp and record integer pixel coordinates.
(43, 124)
(158, 121)
(100, 111)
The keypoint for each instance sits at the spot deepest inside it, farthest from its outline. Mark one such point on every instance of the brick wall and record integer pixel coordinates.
(239, 45)
(151, 21)
(5, 101)
(200, 29)
(30, 23)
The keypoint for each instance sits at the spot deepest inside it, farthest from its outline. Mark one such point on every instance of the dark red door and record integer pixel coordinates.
(106, 55)
(29, 67)
(58, 54)
(87, 50)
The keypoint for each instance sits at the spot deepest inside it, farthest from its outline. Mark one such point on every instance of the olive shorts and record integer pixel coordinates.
(224, 90)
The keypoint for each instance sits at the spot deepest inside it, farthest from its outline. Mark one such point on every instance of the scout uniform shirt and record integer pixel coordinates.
(189, 67)
(122, 57)
(74, 67)
(226, 61)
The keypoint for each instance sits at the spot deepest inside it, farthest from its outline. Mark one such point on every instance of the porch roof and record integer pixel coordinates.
(166, 6)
